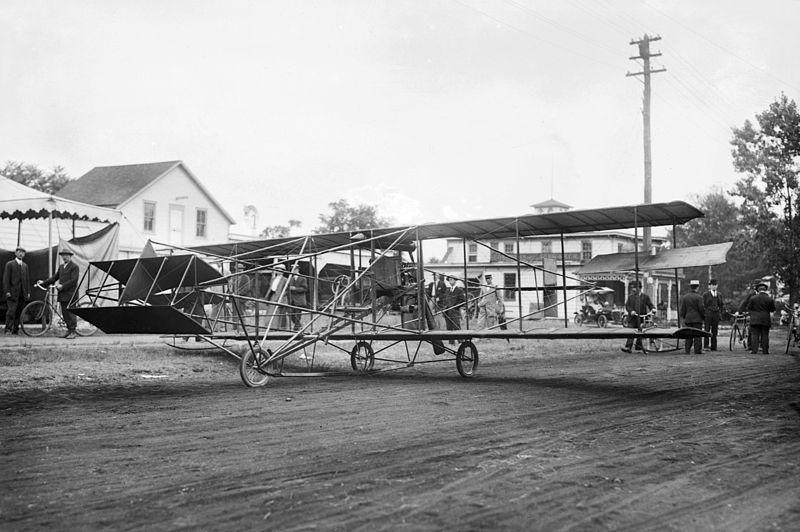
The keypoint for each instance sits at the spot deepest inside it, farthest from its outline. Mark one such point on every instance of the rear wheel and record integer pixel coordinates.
(578, 320)
(467, 359)
(83, 327)
(602, 321)
(789, 335)
(362, 357)
(746, 337)
(35, 318)
(253, 368)
(734, 333)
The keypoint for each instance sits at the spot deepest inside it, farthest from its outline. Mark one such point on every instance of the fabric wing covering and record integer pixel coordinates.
(666, 260)
(146, 278)
(403, 237)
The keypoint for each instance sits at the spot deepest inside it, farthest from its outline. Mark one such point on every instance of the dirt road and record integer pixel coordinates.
(545, 437)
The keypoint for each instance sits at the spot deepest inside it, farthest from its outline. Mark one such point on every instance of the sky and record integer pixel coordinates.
(430, 110)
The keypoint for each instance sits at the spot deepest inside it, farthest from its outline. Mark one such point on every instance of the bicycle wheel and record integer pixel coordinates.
(790, 335)
(734, 333)
(83, 327)
(746, 337)
(36, 318)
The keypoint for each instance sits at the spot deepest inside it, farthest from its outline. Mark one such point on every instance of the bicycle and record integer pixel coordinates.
(38, 317)
(793, 336)
(740, 331)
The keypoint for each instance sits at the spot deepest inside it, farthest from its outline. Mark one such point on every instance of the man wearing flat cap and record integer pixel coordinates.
(713, 304)
(761, 306)
(692, 313)
(66, 282)
(16, 289)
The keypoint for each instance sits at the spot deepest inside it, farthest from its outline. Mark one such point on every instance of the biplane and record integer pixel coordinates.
(366, 292)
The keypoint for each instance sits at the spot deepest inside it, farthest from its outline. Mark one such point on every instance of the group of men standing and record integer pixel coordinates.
(17, 289)
(704, 311)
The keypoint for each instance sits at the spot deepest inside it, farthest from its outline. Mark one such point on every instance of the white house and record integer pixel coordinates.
(163, 202)
(498, 258)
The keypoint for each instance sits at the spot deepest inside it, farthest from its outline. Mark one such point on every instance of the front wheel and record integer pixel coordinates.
(467, 359)
(362, 357)
(35, 318)
(734, 332)
(790, 335)
(253, 368)
(578, 320)
(602, 321)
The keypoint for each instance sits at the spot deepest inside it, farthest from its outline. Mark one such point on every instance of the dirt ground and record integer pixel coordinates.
(547, 436)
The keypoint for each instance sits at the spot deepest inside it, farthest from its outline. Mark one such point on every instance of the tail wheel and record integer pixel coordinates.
(362, 357)
(467, 359)
(35, 318)
(602, 321)
(253, 368)
(83, 327)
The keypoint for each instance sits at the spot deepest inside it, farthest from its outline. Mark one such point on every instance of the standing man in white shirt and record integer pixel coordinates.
(713, 303)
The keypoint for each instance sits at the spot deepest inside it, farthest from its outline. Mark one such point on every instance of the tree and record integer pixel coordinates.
(32, 176)
(722, 223)
(347, 218)
(279, 231)
(768, 153)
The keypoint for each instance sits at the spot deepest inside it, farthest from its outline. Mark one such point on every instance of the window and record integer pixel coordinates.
(200, 227)
(509, 286)
(149, 217)
(547, 246)
(473, 252)
(509, 248)
(494, 245)
(586, 250)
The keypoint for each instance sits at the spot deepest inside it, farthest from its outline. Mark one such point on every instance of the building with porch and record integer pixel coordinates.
(544, 263)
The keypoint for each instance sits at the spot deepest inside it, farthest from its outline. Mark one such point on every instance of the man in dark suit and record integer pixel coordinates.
(454, 299)
(66, 282)
(298, 297)
(692, 313)
(17, 289)
(761, 307)
(637, 305)
(713, 305)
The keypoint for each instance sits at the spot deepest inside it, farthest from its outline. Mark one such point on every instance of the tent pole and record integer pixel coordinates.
(19, 232)
(49, 244)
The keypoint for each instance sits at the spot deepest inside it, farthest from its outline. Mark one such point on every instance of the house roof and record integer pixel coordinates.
(111, 186)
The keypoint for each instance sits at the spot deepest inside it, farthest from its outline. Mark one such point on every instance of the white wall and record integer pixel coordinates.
(175, 188)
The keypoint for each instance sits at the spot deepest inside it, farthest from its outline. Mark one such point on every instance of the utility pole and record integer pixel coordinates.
(645, 55)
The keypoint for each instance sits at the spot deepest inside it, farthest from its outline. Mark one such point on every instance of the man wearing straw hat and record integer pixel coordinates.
(66, 282)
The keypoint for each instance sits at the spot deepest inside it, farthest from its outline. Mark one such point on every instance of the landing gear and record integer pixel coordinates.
(467, 359)
(253, 367)
(362, 357)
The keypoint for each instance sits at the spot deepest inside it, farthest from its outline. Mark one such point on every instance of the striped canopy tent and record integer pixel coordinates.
(20, 202)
